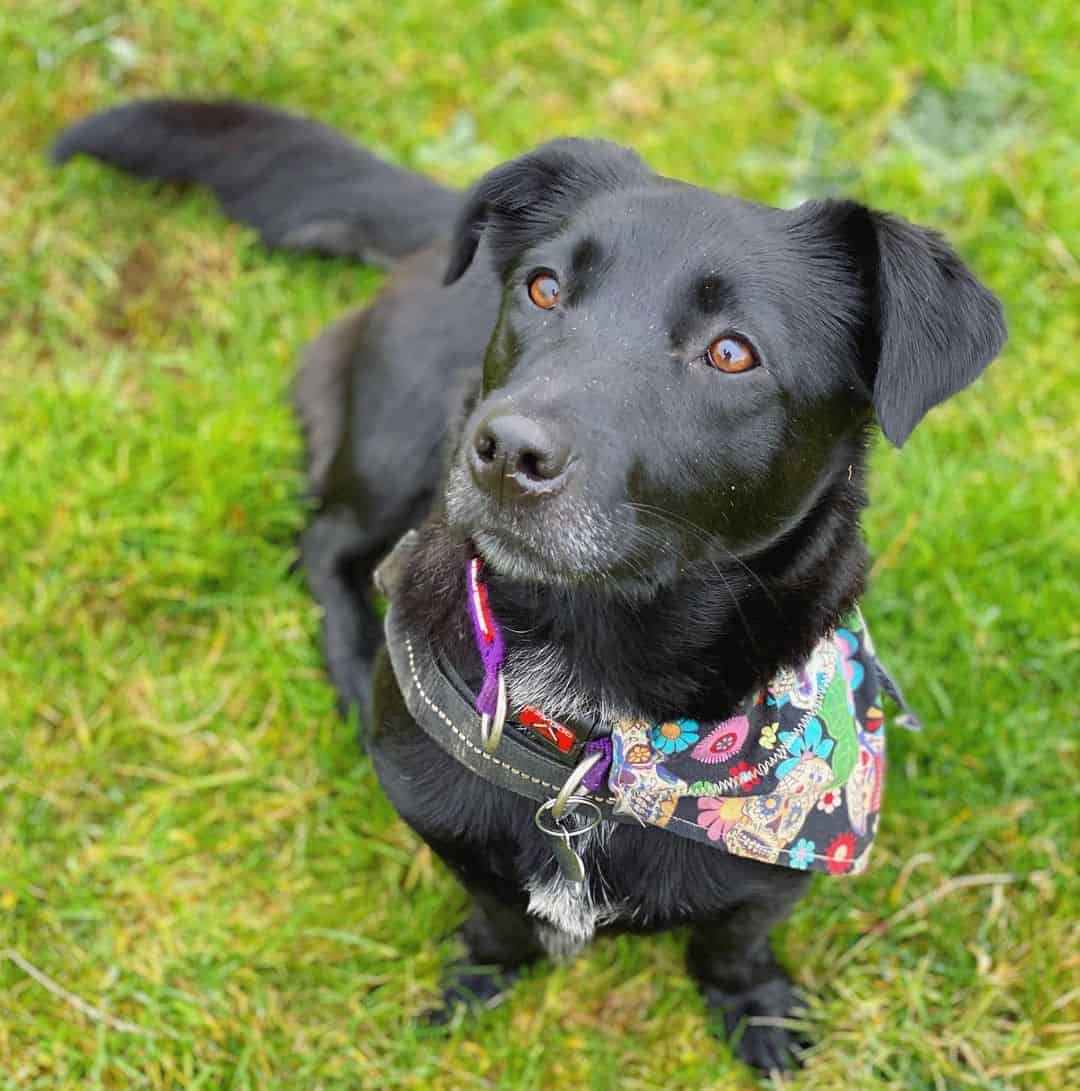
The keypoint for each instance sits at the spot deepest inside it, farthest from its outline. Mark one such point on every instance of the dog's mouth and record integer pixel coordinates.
(586, 536)
(511, 557)
(623, 576)
(568, 543)
(534, 550)
(558, 541)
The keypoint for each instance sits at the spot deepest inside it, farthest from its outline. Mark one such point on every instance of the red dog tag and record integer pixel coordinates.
(547, 729)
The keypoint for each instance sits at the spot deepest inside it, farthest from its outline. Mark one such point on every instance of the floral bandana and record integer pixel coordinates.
(794, 778)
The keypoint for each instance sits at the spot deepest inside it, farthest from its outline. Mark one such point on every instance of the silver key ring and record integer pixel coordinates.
(491, 727)
(566, 792)
(591, 821)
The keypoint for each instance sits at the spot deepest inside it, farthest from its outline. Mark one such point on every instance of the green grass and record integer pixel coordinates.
(190, 843)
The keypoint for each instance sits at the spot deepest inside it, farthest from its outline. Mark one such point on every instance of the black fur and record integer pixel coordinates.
(528, 198)
(301, 185)
(705, 532)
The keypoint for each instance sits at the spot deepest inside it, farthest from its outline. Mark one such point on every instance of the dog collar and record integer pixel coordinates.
(793, 777)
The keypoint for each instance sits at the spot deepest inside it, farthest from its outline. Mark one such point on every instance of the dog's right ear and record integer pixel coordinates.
(529, 198)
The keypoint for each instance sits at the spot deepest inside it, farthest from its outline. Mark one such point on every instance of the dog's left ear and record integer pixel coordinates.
(529, 198)
(932, 327)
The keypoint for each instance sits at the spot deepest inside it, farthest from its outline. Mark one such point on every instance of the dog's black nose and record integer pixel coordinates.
(516, 456)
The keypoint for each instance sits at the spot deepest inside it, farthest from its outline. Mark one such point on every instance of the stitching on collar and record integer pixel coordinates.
(463, 737)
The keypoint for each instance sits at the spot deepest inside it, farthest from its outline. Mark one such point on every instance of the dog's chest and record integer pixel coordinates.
(544, 678)
(569, 913)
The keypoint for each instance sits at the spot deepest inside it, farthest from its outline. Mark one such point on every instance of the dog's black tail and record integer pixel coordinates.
(302, 185)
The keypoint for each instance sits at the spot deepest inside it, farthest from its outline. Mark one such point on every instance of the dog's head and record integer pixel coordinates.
(677, 375)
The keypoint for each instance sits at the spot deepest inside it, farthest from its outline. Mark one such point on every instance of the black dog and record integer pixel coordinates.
(646, 407)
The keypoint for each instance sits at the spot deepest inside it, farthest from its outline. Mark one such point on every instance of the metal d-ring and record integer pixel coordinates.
(491, 727)
(591, 821)
(566, 792)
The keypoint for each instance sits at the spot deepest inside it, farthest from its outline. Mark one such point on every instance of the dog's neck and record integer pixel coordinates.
(695, 648)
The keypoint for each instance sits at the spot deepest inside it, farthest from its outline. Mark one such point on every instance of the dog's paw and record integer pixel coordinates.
(354, 696)
(470, 988)
(757, 1023)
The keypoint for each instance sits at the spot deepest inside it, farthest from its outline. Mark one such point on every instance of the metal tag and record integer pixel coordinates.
(559, 831)
(571, 865)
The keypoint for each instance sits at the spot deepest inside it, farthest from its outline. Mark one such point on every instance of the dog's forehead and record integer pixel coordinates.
(681, 247)
(672, 221)
(689, 256)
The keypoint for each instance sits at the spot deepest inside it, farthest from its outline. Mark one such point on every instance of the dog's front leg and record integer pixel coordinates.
(338, 557)
(744, 986)
(500, 940)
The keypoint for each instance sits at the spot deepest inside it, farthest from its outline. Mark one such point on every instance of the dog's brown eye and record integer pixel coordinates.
(731, 354)
(544, 290)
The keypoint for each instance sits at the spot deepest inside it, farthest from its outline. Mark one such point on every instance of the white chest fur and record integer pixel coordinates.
(570, 913)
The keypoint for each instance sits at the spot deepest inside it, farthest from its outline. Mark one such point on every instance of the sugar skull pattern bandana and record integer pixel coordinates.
(793, 778)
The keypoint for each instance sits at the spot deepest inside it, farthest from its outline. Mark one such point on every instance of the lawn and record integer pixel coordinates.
(200, 883)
